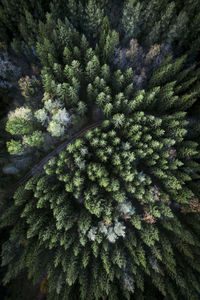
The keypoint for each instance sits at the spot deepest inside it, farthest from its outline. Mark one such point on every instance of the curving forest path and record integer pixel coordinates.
(37, 168)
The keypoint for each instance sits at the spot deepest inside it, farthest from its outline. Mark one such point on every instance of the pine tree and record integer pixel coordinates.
(108, 41)
(132, 18)
(94, 15)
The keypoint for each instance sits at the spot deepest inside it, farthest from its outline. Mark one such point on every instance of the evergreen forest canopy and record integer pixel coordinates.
(100, 154)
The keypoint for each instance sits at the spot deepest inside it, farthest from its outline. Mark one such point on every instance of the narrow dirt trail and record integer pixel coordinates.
(37, 168)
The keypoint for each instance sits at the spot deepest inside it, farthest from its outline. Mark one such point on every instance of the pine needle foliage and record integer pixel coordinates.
(117, 210)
